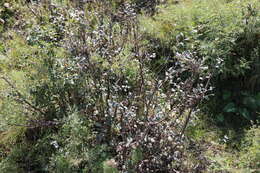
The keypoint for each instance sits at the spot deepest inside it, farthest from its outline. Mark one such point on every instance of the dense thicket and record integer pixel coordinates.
(225, 36)
(128, 85)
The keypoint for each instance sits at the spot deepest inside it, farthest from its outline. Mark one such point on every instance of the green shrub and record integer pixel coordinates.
(75, 147)
(250, 154)
(225, 36)
(244, 159)
(86, 98)
(7, 12)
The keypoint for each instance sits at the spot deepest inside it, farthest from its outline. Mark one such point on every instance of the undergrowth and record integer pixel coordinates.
(129, 86)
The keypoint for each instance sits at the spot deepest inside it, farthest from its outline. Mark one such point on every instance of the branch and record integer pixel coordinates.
(22, 97)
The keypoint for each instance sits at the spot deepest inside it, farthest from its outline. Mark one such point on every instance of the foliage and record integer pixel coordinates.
(86, 86)
(246, 159)
(225, 36)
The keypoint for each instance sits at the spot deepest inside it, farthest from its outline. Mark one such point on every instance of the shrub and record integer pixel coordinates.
(250, 154)
(225, 36)
(91, 97)
(244, 159)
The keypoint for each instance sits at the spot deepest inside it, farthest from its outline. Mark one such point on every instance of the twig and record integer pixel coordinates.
(21, 96)
(32, 11)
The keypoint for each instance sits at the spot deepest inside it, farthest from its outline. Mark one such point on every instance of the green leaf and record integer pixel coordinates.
(250, 102)
(257, 98)
(226, 95)
(220, 117)
(244, 112)
(136, 155)
(230, 107)
(258, 95)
